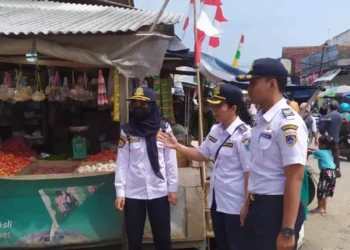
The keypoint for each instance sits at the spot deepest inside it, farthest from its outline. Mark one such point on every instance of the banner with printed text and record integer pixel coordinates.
(58, 212)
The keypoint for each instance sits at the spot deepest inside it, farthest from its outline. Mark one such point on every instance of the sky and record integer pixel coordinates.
(267, 25)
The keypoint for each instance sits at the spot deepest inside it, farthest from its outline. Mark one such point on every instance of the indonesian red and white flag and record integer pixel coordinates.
(187, 20)
(214, 42)
(204, 28)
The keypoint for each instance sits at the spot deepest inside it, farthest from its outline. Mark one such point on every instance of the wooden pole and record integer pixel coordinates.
(199, 90)
(159, 15)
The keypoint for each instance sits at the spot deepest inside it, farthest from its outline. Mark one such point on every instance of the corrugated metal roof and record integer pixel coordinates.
(18, 17)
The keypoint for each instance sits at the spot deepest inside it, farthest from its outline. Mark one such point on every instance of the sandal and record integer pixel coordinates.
(317, 211)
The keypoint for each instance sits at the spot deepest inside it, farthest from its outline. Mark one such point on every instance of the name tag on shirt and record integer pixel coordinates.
(132, 140)
(228, 144)
(266, 136)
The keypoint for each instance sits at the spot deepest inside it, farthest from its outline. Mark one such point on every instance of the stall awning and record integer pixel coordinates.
(61, 31)
(25, 17)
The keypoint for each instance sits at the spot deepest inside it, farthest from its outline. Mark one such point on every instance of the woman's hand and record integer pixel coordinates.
(243, 214)
(168, 140)
(172, 197)
(119, 203)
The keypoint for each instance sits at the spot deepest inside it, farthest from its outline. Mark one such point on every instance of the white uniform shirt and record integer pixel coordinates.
(134, 176)
(314, 124)
(232, 161)
(278, 140)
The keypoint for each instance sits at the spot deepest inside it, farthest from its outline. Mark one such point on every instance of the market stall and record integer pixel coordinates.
(63, 98)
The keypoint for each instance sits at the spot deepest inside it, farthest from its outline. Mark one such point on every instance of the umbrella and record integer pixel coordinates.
(336, 91)
(346, 95)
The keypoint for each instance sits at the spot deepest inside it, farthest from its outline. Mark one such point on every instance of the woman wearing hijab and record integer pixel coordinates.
(146, 175)
(227, 142)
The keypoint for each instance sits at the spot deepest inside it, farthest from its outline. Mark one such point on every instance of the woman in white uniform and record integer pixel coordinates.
(227, 142)
(146, 175)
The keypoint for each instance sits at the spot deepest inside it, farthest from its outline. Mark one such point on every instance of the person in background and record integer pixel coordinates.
(146, 176)
(208, 120)
(179, 106)
(324, 109)
(344, 109)
(310, 124)
(273, 211)
(228, 144)
(294, 105)
(331, 124)
(327, 181)
(180, 133)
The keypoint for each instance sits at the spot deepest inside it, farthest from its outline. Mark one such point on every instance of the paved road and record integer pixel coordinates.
(331, 231)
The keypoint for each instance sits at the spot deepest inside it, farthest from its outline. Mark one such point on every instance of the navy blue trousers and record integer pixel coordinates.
(227, 229)
(264, 221)
(159, 217)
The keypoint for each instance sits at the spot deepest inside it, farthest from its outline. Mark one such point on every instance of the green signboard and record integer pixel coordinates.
(58, 211)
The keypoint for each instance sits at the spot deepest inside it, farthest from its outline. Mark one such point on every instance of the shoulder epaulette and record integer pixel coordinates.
(242, 128)
(288, 113)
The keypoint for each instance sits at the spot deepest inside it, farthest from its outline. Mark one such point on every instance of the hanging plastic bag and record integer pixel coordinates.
(38, 95)
(102, 99)
(80, 89)
(73, 93)
(65, 89)
(21, 93)
(49, 86)
(5, 94)
(55, 93)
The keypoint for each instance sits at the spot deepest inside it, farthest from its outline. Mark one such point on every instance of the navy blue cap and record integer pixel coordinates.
(143, 94)
(226, 93)
(264, 67)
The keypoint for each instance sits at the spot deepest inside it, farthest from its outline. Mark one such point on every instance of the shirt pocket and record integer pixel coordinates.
(265, 141)
(136, 152)
(227, 150)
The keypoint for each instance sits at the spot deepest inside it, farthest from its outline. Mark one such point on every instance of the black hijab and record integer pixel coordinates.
(148, 128)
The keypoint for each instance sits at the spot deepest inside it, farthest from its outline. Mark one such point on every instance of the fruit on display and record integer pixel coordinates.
(54, 170)
(104, 156)
(99, 167)
(11, 164)
(18, 146)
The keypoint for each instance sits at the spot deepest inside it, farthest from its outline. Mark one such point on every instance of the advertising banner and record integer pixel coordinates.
(58, 211)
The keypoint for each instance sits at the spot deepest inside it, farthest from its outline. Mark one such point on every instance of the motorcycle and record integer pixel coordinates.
(344, 146)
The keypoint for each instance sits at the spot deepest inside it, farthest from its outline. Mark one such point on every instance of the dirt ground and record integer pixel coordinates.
(332, 230)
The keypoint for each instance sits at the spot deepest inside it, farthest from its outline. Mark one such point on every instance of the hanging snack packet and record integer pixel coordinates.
(65, 88)
(38, 95)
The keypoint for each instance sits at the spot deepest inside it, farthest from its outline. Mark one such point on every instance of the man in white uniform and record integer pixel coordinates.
(274, 214)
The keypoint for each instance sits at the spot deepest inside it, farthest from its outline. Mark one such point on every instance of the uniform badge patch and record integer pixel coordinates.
(122, 141)
(290, 127)
(212, 139)
(269, 127)
(291, 139)
(246, 143)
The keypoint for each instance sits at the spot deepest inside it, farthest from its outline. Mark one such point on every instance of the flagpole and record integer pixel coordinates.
(199, 90)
